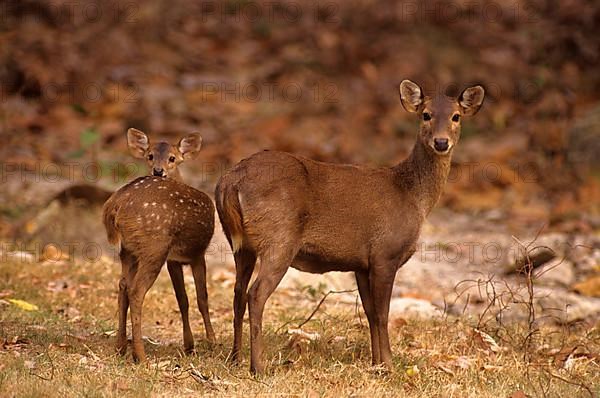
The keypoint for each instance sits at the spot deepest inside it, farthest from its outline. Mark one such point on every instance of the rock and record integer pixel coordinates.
(556, 273)
(538, 256)
(408, 307)
(586, 259)
(567, 307)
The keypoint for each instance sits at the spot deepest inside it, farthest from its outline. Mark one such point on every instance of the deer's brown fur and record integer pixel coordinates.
(152, 220)
(287, 210)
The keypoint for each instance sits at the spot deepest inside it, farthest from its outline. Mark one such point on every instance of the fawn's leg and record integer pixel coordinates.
(128, 267)
(273, 266)
(362, 280)
(381, 282)
(199, 272)
(244, 266)
(141, 282)
(176, 273)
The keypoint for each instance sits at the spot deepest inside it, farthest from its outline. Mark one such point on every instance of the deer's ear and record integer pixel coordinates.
(470, 100)
(190, 146)
(411, 95)
(137, 142)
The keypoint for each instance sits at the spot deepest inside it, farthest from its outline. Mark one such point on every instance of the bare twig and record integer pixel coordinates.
(573, 383)
(321, 303)
(51, 369)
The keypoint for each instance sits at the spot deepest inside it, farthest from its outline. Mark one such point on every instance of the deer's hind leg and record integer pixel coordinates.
(273, 265)
(147, 271)
(199, 272)
(176, 274)
(245, 260)
(128, 269)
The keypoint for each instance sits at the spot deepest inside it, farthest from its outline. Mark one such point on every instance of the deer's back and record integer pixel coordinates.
(154, 214)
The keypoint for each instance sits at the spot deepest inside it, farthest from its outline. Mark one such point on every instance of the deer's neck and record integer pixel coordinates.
(423, 175)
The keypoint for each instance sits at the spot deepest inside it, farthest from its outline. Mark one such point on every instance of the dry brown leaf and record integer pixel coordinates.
(589, 287)
(53, 253)
(485, 341)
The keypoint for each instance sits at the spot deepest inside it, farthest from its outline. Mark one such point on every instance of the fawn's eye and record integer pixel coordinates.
(151, 157)
(456, 117)
(426, 116)
(172, 159)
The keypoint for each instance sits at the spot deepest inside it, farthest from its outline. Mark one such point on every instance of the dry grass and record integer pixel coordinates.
(66, 348)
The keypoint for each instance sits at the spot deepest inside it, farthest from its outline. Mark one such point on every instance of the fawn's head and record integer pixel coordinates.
(162, 157)
(440, 116)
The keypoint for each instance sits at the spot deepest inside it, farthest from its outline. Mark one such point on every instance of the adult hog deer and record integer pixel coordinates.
(287, 210)
(155, 219)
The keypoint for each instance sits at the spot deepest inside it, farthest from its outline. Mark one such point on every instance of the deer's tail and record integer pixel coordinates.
(230, 214)
(109, 213)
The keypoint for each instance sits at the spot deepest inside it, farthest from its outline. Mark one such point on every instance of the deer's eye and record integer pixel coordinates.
(426, 116)
(456, 117)
(150, 157)
(172, 159)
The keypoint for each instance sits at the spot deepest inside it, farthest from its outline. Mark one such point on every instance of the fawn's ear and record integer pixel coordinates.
(190, 146)
(470, 100)
(411, 95)
(137, 142)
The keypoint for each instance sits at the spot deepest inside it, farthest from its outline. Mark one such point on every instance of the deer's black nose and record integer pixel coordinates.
(158, 172)
(440, 144)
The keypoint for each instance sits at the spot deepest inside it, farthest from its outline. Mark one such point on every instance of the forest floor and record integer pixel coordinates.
(461, 344)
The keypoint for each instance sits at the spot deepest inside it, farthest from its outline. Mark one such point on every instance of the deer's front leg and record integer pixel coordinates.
(362, 281)
(381, 281)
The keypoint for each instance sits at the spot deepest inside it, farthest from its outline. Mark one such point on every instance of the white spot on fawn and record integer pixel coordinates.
(146, 204)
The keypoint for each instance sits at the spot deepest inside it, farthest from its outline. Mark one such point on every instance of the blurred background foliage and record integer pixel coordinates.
(319, 79)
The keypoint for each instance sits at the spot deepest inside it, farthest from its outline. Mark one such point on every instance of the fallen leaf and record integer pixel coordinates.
(57, 286)
(110, 333)
(151, 340)
(51, 252)
(412, 370)
(24, 305)
(589, 287)
(485, 341)
(399, 322)
(311, 336)
(162, 365)
(463, 362)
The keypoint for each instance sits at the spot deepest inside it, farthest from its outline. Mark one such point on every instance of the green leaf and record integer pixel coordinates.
(88, 137)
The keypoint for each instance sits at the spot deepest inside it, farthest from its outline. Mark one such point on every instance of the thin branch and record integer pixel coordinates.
(321, 303)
